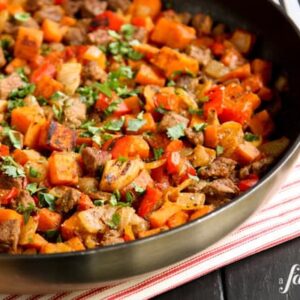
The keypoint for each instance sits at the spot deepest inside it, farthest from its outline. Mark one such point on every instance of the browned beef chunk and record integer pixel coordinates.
(188, 83)
(74, 112)
(7, 182)
(112, 237)
(172, 119)
(9, 84)
(2, 58)
(94, 159)
(221, 167)
(75, 36)
(119, 4)
(67, 198)
(140, 34)
(59, 47)
(31, 23)
(202, 23)
(257, 167)
(33, 5)
(203, 56)
(100, 37)
(23, 200)
(93, 72)
(91, 8)
(196, 138)
(89, 186)
(51, 12)
(9, 235)
(72, 7)
(221, 188)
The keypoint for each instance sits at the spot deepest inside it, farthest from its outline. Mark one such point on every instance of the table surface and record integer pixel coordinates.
(257, 277)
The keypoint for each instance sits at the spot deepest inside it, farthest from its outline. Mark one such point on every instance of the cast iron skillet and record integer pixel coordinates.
(279, 41)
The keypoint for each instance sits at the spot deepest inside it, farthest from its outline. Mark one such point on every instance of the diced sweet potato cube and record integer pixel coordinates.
(47, 86)
(54, 136)
(243, 40)
(148, 75)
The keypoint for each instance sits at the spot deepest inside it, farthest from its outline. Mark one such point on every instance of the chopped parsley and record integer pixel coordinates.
(219, 150)
(199, 127)
(129, 197)
(115, 221)
(22, 16)
(158, 152)
(138, 189)
(33, 172)
(11, 168)
(196, 112)
(26, 211)
(127, 31)
(12, 104)
(250, 137)
(122, 159)
(14, 137)
(114, 125)
(136, 124)
(99, 202)
(47, 200)
(33, 188)
(176, 132)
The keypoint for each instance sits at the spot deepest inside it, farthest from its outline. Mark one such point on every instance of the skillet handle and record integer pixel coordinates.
(292, 8)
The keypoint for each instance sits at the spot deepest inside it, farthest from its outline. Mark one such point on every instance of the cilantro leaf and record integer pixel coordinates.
(250, 137)
(136, 124)
(158, 152)
(199, 127)
(33, 188)
(26, 211)
(11, 168)
(114, 125)
(22, 16)
(115, 221)
(47, 200)
(176, 132)
(219, 150)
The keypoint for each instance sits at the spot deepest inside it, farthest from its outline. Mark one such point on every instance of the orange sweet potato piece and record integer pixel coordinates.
(262, 123)
(28, 43)
(70, 227)
(241, 72)
(211, 136)
(173, 34)
(150, 232)
(145, 8)
(47, 86)
(147, 50)
(201, 212)
(31, 137)
(170, 61)
(48, 220)
(148, 75)
(63, 169)
(149, 126)
(22, 117)
(9, 214)
(54, 136)
(23, 156)
(134, 104)
(50, 248)
(263, 68)
(75, 243)
(246, 153)
(53, 32)
(159, 217)
(37, 242)
(243, 40)
(178, 219)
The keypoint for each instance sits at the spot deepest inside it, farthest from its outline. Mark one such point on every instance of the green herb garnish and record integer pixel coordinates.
(176, 132)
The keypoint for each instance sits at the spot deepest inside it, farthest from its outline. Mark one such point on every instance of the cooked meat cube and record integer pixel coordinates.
(72, 7)
(188, 83)
(221, 188)
(89, 186)
(92, 71)
(92, 8)
(123, 5)
(23, 200)
(75, 36)
(221, 167)
(202, 23)
(185, 17)
(51, 12)
(112, 237)
(9, 84)
(55, 136)
(94, 159)
(9, 234)
(31, 23)
(7, 182)
(2, 58)
(172, 119)
(67, 198)
(257, 167)
(33, 5)
(100, 37)
(140, 34)
(74, 112)
(203, 56)
(196, 138)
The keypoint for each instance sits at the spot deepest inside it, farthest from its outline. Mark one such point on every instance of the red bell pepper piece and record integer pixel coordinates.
(107, 20)
(175, 145)
(216, 97)
(174, 162)
(217, 48)
(189, 171)
(58, 2)
(138, 21)
(103, 102)
(84, 203)
(4, 150)
(149, 201)
(161, 177)
(46, 69)
(6, 199)
(248, 183)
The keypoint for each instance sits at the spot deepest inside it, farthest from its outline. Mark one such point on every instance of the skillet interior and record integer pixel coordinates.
(278, 41)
